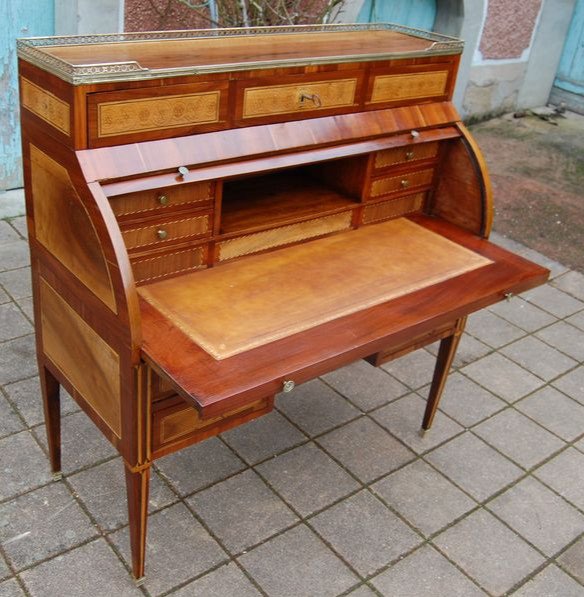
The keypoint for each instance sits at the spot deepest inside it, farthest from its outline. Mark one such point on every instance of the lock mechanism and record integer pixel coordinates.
(288, 386)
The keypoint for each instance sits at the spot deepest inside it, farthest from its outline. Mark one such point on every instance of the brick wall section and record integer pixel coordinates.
(166, 15)
(508, 28)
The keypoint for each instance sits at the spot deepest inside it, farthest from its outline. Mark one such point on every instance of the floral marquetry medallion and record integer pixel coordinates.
(136, 116)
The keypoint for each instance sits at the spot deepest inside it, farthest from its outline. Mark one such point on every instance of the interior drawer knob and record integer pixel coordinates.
(162, 234)
(288, 386)
(415, 134)
(163, 199)
(409, 155)
(405, 183)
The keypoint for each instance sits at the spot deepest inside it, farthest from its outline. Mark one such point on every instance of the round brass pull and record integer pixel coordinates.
(163, 199)
(405, 183)
(183, 171)
(415, 134)
(313, 97)
(409, 155)
(161, 234)
(288, 386)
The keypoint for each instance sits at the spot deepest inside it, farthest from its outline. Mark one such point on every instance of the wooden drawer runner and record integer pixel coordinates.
(405, 154)
(166, 264)
(252, 243)
(408, 180)
(157, 200)
(272, 100)
(161, 232)
(377, 212)
(175, 422)
(400, 87)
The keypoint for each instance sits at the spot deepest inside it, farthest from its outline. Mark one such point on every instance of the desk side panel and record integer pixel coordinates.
(87, 322)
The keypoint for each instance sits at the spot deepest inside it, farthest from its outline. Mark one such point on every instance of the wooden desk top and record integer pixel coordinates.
(87, 59)
(215, 386)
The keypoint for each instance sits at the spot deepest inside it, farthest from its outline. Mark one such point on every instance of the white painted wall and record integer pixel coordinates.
(84, 17)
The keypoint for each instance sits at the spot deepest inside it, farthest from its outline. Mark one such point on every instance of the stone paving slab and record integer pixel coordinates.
(334, 493)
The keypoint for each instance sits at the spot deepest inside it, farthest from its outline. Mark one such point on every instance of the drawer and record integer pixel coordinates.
(409, 86)
(405, 154)
(169, 263)
(174, 421)
(385, 185)
(277, 237)
(141, 114)
(158, 200)
(297, 95)
(160, 232)
(394, 208)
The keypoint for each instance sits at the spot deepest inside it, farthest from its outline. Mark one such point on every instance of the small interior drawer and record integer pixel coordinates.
(160, 232)
(159, 200)
(405, 181)
(260, 99)
(405, 154)
(179, 261)
(393, 208)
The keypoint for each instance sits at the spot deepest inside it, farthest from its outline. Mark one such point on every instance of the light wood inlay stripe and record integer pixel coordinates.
(137, 116)
(45, 105)
(389, 88)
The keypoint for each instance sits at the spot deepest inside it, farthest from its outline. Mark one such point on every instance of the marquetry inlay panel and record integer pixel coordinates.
(89, 363)
(406, 86)
(298, 97)
(252, 243)
(46, 106)
(149, 114)
(63, 226)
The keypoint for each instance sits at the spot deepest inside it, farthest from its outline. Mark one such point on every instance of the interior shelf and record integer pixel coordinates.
(278, 198)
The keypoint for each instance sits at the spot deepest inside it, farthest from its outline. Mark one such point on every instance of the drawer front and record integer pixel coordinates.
(405, 154)
(118, 116)
(401, 87)
(378, 212)
(402, 182)
(165, 231)
(299, 97)
(166, 264)
(197, 194)
(252, 243)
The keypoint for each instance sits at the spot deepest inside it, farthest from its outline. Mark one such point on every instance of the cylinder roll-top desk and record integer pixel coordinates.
(216, 216)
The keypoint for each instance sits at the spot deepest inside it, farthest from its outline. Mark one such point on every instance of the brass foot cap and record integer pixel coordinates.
(422, 432)
(57, 476)
(139, 581)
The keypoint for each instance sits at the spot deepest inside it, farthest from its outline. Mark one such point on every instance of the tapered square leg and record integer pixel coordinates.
(444, 360)
(50, 389)
(137, 485)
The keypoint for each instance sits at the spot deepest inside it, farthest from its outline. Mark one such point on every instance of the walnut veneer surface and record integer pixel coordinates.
(216, 216)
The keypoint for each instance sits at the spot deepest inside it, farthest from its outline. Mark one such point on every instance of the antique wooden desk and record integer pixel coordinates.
(216, 216)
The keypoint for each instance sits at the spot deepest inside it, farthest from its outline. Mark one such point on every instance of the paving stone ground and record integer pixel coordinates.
(335, 492)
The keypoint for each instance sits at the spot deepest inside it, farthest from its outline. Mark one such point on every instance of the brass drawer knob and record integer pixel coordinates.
(288, 386)
(409, 155)
(163, 199)
(161, 234)
(405, 183)
(313, 97)
(183, 171)
(415, 134)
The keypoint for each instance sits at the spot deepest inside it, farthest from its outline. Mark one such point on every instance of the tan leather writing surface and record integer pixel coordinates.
(232, 308)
